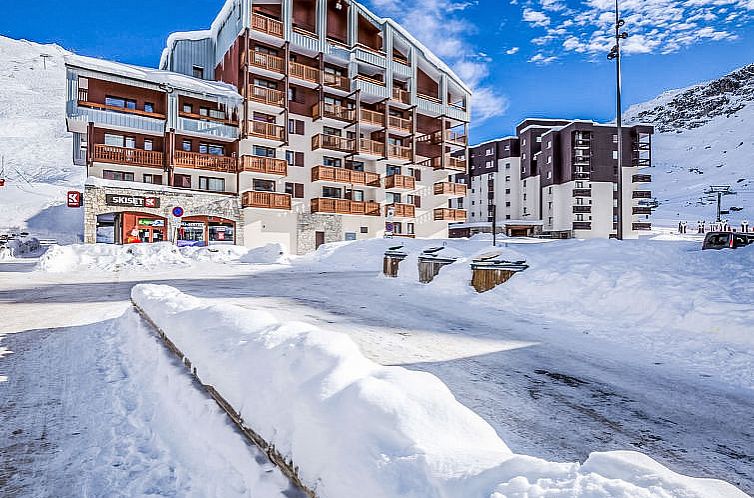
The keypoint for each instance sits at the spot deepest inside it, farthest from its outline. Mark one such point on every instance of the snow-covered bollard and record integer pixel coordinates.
(393, 258)
(487, 272)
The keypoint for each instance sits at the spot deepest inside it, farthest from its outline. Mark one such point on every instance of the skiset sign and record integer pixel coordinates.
(132, 201)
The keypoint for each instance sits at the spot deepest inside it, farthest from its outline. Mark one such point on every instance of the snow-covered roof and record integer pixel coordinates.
(493, 141)
(157, 76)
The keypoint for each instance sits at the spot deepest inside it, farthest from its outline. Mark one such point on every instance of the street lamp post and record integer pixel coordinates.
(615, 55)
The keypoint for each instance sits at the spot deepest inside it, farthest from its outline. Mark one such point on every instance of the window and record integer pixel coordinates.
(264, 151)
(615, 154)
(392, 170)
(295, 189)
(212, 184)
(331, 192)
(549, 159)
(507, 178)
(364, 229)
(292, 94)
(294, 158)
(392, 198)
(186, 145)
(148, 144)
(507, 165)
(130, 142)
(488, 152)
(350, 235)
(410, 230)
(524, 183)
(197, 72)
(615, 139)
(355, 165)
(265, 83)
(549, 175)
(355, 195)
(549, 144)
(148, 107)
(188, 108)
(212, 149)
(123, 176)
(523, 142)
(333, 162)
(507, 204)
(488, 164)
(263, 185)
(153, 179)
(182, 181)
(328, 130)
(114, 140)
(539, 139)
(508, 191)
(295, 127)
(120, 102)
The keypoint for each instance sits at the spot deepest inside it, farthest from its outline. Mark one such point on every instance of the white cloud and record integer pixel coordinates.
(437, 24)
(542, 60)
(512, 50)
(654, 26)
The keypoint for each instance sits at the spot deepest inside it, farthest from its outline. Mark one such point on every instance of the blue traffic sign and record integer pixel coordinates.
(178, 211)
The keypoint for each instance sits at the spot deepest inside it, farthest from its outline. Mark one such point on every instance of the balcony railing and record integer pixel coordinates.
(210, 162)
(267, 25)
(400, 182)
(344, 206)
(399, 151)
(327, 110)
(398, 123)
(342, 175)
(450, 188)
(208, 127)
(641, 210)
(582, 192)
(401, 210)
(642, 194)
(454, 137)
(336, 81)
(641, 178)
(641, 226)
(266, 130)
(401, 95)
(582, 209)
(265, 95)
(372, 117)
(371, 147)
(333, 142)
(266, 61)
(266, 200)
(83, 102)
(447, 214)
(124, 155)
(303, 72)
(582, 225)
(266, 165)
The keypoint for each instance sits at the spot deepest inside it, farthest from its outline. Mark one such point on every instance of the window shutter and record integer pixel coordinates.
(417, 201)
(418, 175)
(299, 127)
(298, 190)
(299, 159)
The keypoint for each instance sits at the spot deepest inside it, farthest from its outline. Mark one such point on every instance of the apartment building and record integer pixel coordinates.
(559, 178)
(313, 120)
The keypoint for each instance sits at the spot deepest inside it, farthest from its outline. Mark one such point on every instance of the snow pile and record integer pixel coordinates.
(355, 428)
(148, 257)
(34, 141)
(18, 247)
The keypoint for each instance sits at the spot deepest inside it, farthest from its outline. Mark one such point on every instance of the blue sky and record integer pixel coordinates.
(538, 58)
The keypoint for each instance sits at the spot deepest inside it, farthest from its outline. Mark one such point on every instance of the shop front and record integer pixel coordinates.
(206, 230)
(143, 228)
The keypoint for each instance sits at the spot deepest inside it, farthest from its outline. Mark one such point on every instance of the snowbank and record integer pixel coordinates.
(355, 428)
(15, 248)
(147, 257)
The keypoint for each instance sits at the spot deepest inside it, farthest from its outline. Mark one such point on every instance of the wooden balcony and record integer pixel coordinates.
(83, 102)
(303, 72)
(208, 162)
(265, 95)
(582, 192)
(336, 81)
(398, 123)
(333, 142)
(371, 147)
(267, 61)
(399, 152)
(369, 79)
(450, 189)
(642, 194)
(401, 210)
(270, 131)
(641, 178)
(400, 182)
(266, 25)
(455, 137)
(266, 200)
(342, 175)
(401, 95)
(265, 165)
(451, 163)
(447, 214)
(641, 226)
(123, 155)
(345, 206)
(325, 110)
(372, 118)
(582, 225)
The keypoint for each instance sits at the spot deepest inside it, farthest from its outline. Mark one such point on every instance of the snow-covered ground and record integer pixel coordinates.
(599, 346)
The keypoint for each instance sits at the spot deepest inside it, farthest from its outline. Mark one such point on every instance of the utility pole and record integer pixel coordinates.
(615, 55)
(719, 191)
(494, 225)
(44, 60)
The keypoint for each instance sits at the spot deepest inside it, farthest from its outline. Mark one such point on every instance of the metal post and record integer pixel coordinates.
(619, 121)
(719, 201)
(494, 225)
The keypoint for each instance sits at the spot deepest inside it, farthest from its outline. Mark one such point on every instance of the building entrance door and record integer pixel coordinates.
(319, 239)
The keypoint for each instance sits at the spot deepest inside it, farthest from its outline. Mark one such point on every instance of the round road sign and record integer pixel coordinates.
(178, 211)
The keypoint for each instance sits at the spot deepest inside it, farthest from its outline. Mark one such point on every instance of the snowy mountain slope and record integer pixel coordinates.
(704, 136)
(34, 144)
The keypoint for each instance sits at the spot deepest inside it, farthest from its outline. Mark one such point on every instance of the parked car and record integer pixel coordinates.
(727, 240)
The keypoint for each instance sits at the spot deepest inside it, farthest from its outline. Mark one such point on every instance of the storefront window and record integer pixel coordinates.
(191, 233)
(221, 233)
